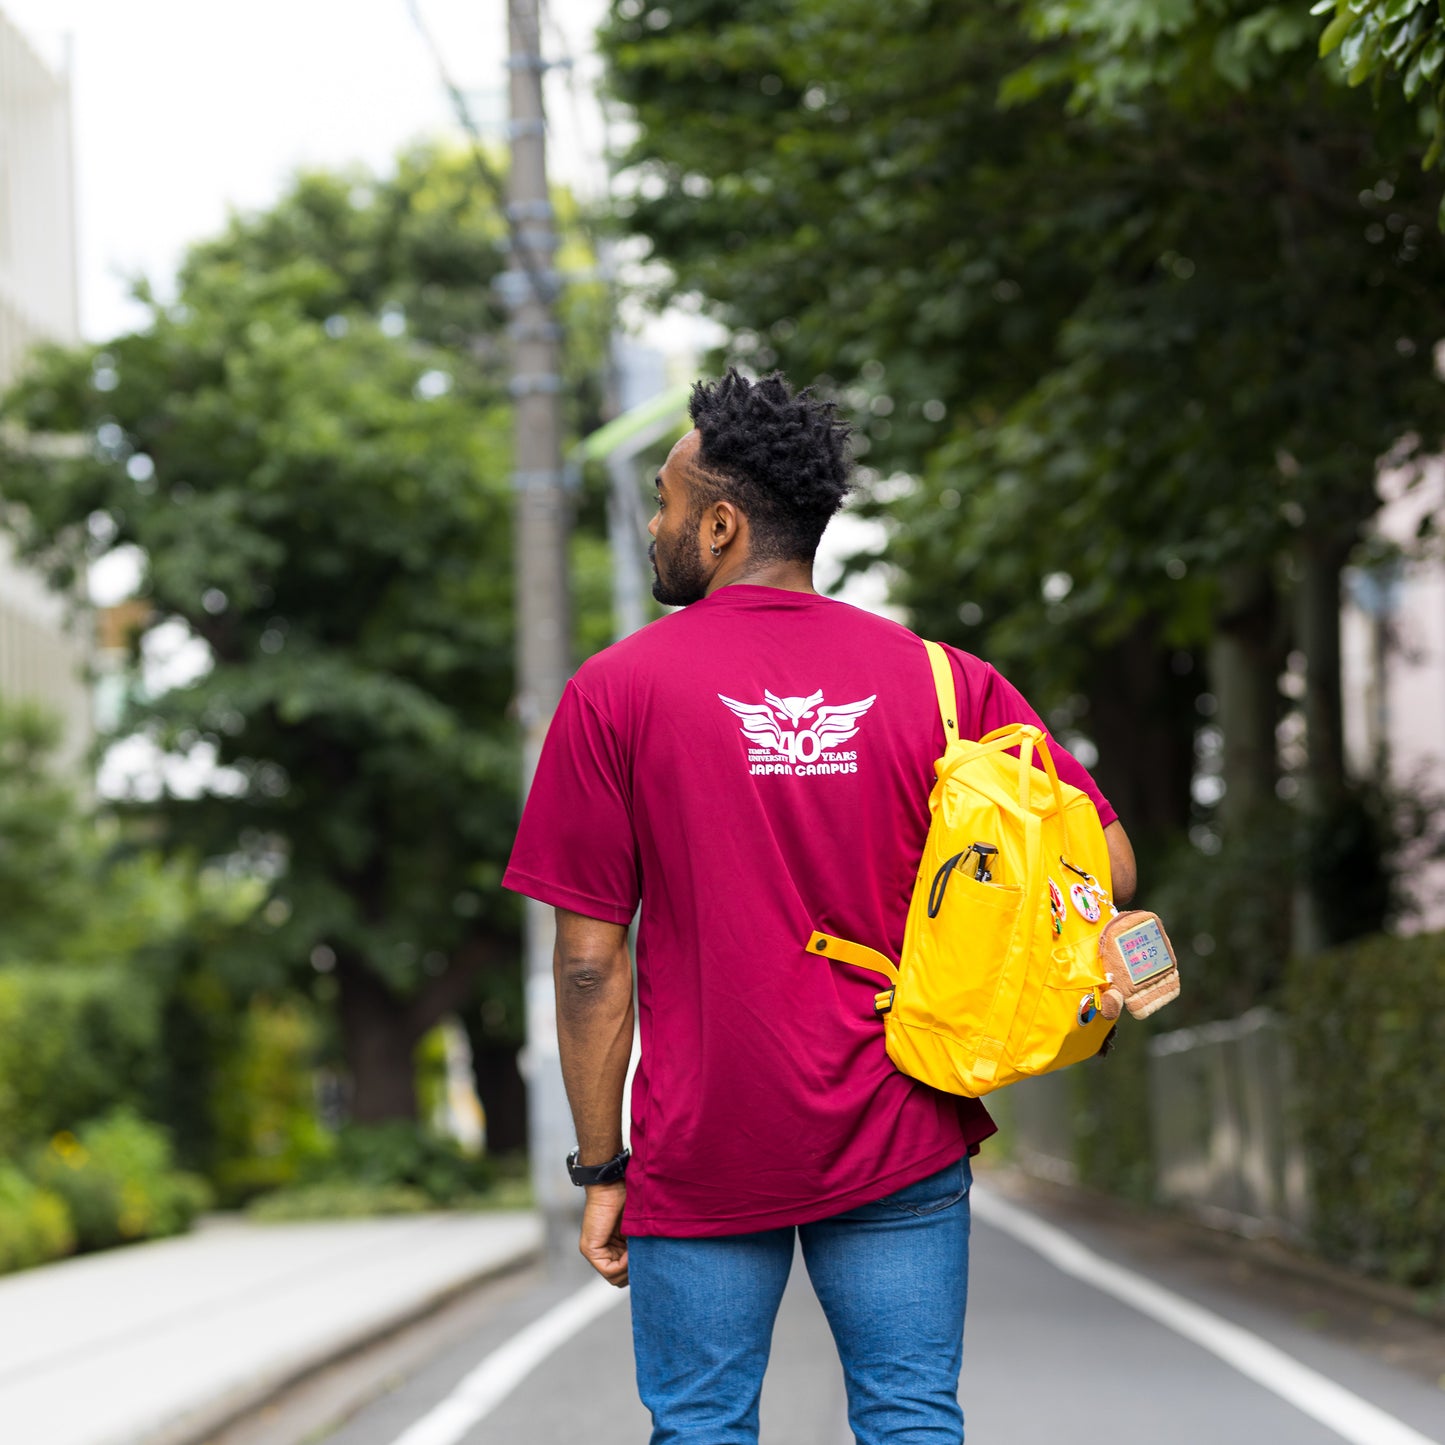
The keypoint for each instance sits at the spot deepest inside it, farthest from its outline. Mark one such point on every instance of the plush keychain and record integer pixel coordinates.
(1139, 964)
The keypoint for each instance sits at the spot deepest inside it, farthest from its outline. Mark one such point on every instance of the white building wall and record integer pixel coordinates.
(1393, 640)
(44, 649)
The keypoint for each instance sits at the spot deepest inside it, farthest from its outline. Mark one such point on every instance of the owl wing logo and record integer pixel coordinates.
(837, 724)
(776, 725)
(760, 726)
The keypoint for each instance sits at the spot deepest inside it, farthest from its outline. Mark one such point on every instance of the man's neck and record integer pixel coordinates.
(789, 576)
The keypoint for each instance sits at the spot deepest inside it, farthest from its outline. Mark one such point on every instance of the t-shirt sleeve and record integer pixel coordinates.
(996, 702)
(575, 848)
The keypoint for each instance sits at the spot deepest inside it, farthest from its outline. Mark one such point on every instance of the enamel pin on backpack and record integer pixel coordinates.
(1015, 961)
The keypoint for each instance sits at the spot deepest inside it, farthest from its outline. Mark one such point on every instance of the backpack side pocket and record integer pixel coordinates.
(954, 960)
(1067, 1026)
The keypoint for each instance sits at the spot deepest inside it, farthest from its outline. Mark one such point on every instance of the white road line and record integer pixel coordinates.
(1335, 1407)
(481, 1391)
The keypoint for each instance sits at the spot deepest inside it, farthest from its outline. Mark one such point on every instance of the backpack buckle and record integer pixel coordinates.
(883, 1002)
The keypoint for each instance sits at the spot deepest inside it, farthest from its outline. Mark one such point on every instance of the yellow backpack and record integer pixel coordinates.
(1000, 976)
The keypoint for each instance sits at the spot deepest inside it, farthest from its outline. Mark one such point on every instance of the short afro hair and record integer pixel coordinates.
(781, 457)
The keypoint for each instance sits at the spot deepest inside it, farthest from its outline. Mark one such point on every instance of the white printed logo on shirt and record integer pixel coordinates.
(796, 736)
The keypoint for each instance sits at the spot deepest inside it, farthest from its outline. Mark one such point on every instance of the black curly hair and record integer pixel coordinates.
(781, 457)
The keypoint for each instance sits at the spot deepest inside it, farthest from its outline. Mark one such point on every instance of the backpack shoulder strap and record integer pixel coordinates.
(943, 686)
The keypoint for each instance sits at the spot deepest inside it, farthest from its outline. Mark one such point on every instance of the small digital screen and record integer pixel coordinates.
(1144, 951)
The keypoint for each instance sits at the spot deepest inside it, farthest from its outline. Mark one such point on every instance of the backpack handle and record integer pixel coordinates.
(1029, 739)
(1033, 741)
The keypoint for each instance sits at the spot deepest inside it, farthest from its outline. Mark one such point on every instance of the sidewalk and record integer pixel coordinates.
(159, 1343)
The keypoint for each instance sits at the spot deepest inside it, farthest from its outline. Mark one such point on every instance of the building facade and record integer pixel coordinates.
(1393, 645)
(44, 644)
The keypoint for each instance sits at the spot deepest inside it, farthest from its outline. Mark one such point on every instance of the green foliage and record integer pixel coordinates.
(1109, 51)
(75, 1042)
(150, 1031)
(1228, 917)
(35, 1224)
(1110, 1101)
(395, 1168)
(1200, 411)
(95, 961)
(263, 1100)
(1367, 1026)
(431, 1073)
(71, 887)
(43, 864)
(119, 1182)
(1228, 913)
(386, 1172)
(1096, 333)
(836, 181)
(402, 1154)
(309, 452)
(1135, 294)
(1346, 850)
(1402, 40)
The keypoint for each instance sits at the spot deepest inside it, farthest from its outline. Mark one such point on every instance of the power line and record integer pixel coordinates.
(539, 277)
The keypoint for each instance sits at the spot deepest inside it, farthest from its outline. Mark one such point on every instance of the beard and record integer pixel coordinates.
(684, 582)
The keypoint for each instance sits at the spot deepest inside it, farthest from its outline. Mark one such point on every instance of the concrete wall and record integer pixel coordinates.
(1226, 1144)
(1224, 1137)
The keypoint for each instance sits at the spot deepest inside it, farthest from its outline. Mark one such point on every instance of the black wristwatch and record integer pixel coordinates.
(608, 1173)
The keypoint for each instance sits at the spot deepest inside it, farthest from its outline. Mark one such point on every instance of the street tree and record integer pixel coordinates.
(306, 455)
(1137, 321)
(72, 893)
(1394, 42)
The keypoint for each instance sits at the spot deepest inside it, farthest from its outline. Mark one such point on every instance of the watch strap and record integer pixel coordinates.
(608, 1173)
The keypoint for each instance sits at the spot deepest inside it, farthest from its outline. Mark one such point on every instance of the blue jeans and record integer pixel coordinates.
(892, 1278)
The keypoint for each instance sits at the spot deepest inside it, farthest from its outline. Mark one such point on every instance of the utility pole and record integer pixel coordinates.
(544, 623)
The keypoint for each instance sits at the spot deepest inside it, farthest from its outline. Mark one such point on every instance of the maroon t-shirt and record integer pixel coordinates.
(751, 768)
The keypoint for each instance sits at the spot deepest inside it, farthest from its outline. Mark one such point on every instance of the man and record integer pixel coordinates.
(750, 768)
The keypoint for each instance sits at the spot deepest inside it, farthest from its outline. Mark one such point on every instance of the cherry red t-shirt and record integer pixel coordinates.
(750, 768)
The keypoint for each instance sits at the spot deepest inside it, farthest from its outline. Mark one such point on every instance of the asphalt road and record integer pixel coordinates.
(1185, 1346)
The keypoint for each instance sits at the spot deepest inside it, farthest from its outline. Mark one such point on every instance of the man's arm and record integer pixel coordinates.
(1121, 862)
(592, 969)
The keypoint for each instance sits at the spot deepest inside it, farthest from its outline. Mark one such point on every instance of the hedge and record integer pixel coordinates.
(1113, 1147)
(35, 1225)
(77, 1041)
(118, 1179)
(1367, 1025)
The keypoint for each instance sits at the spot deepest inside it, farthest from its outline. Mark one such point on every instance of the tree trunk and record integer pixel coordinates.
(1244, 666)
(500, 1087)
(1141, 715)
(380, 1029)
(377, 1044)
(1317, 634)
(1319, 561)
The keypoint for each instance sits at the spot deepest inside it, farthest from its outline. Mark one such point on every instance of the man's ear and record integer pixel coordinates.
(723, 522)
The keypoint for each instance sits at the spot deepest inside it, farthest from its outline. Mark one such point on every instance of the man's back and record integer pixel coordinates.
(749, 769)
(755, 767)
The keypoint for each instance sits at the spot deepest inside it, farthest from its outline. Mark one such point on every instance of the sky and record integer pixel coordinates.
(187, 108)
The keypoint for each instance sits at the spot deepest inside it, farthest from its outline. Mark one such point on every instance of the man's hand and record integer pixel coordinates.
(602, 1244)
